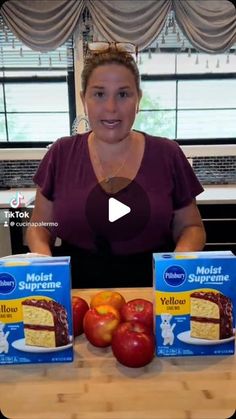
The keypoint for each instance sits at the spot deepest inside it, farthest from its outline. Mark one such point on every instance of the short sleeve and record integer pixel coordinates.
(45, 175)
(186, 183)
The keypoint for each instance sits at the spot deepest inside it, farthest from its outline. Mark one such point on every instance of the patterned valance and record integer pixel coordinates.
(44, 25)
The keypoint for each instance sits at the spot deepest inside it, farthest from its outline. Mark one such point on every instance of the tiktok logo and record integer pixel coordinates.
(16, 200)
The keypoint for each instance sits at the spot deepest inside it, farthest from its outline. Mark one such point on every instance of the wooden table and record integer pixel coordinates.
(96, 386)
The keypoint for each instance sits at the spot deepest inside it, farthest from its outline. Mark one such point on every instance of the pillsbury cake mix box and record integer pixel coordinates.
(195, 303)
(35, 310)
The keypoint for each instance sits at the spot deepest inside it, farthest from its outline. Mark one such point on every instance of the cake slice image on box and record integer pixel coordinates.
(45, 323)
(211, 315)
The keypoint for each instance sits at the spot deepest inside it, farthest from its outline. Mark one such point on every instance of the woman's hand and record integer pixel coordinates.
(188, 229)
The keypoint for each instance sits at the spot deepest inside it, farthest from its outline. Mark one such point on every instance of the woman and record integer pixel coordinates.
(78, 173)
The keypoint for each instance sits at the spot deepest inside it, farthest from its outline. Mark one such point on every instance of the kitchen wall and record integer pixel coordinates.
(212, 164)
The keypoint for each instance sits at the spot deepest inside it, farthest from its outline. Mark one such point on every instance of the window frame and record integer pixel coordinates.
(69, 78)
(193, 77)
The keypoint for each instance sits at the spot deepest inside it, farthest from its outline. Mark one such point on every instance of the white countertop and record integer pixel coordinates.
(217, 194)
(213, 194)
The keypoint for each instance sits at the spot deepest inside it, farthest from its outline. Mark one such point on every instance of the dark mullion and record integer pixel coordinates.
(188, 141)
(24, 144)
(71, 97)
(5, 111)
(35, 112)
(176, 108)
(207, 109)
(206, 141)
(193, 77)
(154, 110)
(33, 79)
(189, 109)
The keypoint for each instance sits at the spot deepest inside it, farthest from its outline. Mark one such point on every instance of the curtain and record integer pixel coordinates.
(43, 25)
(209, 25)
(136, 21)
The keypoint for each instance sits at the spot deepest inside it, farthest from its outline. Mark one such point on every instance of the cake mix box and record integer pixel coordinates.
(195, 303)
(35, 310)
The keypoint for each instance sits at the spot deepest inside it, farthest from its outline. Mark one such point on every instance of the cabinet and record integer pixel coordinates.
(220, 224)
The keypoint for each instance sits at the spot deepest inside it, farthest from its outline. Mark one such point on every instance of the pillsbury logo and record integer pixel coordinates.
(174, 276)
(7, 283)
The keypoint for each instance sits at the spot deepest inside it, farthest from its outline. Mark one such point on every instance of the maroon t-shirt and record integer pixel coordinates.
(66, 177)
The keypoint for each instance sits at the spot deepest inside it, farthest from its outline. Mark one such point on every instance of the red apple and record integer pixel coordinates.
(133, 344)
(79, 308)
(100, 323)
(112, 298)
(140, 310)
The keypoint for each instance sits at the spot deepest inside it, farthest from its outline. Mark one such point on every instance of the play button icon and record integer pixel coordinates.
(118, 216)
(116, 209)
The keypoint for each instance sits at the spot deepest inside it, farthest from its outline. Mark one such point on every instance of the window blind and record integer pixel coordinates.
(15, 55)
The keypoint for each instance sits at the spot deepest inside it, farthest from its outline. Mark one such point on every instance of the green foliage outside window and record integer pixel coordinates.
(155, 121)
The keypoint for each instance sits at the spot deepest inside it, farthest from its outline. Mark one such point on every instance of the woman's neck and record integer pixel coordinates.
(111, 150)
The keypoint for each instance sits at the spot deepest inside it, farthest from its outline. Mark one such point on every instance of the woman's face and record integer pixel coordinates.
(111, 102)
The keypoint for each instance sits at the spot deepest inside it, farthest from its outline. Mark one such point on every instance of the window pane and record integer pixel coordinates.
(157, 64)
(2, 128)
(206, 124)
(37, 127)
(160, 123)
(200, 63)
(36, 97)
(1, 99)
(182, 63)
(158, 95)
(207, 94)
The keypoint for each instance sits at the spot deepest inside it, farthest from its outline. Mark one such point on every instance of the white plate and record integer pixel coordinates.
(186, 338)
(21, 346)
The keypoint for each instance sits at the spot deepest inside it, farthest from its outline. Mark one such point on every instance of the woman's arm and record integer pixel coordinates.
(39, 239)
(188, 230)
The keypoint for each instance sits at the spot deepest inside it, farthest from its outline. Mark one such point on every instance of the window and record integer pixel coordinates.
(206, 108)
(187, 95)
(36, 92)
(185, 109)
